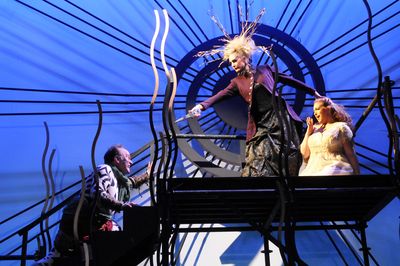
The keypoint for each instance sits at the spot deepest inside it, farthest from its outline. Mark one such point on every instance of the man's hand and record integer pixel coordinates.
(148, 169)
(127, 205)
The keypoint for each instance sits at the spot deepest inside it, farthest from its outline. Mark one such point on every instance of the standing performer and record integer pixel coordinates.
(263, 141)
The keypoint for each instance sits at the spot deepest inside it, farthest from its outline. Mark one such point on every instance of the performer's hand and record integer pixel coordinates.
(196, 111)
(310, 126)
(127, 205)
(148, 168)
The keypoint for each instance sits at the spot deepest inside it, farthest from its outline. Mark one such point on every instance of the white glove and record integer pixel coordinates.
(196, 111)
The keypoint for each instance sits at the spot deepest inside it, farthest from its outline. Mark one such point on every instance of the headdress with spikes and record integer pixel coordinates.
(241, 44)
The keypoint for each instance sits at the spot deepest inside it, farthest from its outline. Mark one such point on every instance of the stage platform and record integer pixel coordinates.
(252, 200)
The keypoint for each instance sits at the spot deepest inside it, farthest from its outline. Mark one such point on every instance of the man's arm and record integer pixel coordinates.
(108, 189)
(139, 180)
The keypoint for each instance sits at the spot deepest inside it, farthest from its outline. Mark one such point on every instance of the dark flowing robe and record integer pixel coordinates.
(264, 132)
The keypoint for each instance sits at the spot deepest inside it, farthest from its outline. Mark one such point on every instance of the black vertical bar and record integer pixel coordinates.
(348, 244)
(24, 248)
(246, 10)
(364, 246)
(230, 15)
(289, 239)
(238, 16)
(359, 240)
(162, 259)
(393, 133)
(266, 251)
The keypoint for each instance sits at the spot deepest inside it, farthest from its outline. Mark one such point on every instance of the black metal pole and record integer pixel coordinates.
(364, 247)
(24, 248)
(266, 251)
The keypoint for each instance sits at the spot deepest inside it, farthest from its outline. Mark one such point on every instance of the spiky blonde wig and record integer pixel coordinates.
(240, 45)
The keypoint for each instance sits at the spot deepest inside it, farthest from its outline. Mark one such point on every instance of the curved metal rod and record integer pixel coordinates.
(86, 258)
(152, 59)
(287, 134)
(162, 184)
(172, 247)
(153, 99)
(171, 120)
(182, 243)
(163, 40)
(42, 232)
(168, 92)
(94, 166)
(397, 145)
(158, 255)
(282, 184)
(162, 190)
(152, 181)
(53, 192)
(388, 100)
(96, 137)
(159, 184)
(276, 103)
(80, 203)
(163, 155)
(379, 94)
